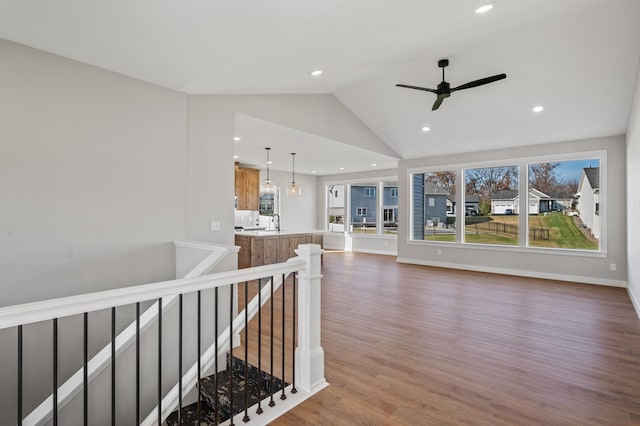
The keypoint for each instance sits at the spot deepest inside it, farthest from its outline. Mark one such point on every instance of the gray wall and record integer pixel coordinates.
(92, 177)
(584, 268)
(92, 190)
(633, 198)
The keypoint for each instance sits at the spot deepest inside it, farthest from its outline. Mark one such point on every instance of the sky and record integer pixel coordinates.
(571, 170)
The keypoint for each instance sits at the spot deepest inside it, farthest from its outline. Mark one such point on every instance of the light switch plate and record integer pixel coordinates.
(215, 225)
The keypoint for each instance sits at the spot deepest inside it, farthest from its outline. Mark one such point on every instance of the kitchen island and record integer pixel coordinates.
(259, 248)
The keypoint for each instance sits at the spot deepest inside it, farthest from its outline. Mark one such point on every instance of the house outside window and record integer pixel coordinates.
(393, 192)
(361, 211)
(389, 215)
(364, 208)
(563, 204)
(433, 206)
(369, 192)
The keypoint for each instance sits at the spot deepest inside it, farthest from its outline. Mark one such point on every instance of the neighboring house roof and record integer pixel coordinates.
(433, 189)
(562, 195)
(468, 198)
(593, 174)
(507, 194)
(512, 194)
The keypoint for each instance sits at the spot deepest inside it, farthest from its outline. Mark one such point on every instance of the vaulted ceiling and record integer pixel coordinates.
(577, 58)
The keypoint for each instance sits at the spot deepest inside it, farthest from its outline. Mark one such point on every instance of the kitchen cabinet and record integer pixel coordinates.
(247, 188)
(258, 250)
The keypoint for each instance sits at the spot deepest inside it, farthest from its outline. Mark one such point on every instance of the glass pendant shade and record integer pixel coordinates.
(267, 187)
(293, 190)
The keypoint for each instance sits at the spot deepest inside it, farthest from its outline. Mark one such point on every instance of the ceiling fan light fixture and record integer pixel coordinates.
(293, 190)
(267, 187)
(484, 9)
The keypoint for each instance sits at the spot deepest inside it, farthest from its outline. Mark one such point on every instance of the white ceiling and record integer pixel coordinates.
(578, 58)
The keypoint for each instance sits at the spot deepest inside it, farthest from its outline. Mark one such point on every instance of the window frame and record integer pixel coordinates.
(523, 222)
(377, 184)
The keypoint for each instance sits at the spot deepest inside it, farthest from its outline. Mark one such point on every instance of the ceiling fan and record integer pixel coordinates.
(445, 90)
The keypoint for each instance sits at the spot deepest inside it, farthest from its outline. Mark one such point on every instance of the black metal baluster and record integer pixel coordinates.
(55, 372)
(293, 336)
(282, 395)
(246, 352)
(160, 361)
(113, 366)
(19, 375)
(180, 359)
(271, 401)
(85, 390)
(230, 365)
(215, 376)
(137, 363)
(259, 410)
(199, 404)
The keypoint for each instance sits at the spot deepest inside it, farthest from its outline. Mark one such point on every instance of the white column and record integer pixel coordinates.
(309, 352)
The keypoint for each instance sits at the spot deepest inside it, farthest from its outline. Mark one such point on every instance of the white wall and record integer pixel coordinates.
(299, 213)
(92, 177)
(211, 124)
(633, 198)
(582, 268)
(92, 196)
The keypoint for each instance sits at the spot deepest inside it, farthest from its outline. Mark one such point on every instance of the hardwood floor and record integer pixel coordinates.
(409, 345)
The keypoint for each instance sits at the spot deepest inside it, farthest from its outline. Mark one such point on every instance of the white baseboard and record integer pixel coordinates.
(372, 251)
(518, 272)
(634, 300)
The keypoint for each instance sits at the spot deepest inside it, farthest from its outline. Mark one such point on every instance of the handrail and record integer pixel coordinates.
(189, 379)
(69, 389)
(28, 313)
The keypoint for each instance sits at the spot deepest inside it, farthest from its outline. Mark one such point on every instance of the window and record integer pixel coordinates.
(564, 204)
(491, 205)
(390, 207)
(433, 201)
(389, 215)
(335, 207)
(364, 208)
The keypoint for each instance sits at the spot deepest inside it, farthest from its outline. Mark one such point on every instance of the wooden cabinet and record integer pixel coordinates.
(266, 250)
(247, 188)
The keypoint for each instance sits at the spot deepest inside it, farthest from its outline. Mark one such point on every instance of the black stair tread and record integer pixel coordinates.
(189, 413)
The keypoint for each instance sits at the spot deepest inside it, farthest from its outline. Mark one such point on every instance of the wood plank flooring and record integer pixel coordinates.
(414, 345)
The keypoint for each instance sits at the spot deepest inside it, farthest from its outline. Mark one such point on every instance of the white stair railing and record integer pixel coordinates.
(309, 356)
(73, 386)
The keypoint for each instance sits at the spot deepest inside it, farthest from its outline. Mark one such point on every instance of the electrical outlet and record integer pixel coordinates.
(215, 225)
(439, 252)
(613, 266)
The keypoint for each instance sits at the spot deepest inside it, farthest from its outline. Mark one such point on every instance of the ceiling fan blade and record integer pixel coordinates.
(437, 103)
(406, 86)
(480, 82)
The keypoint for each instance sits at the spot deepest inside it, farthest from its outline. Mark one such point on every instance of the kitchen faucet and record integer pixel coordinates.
(273, 219)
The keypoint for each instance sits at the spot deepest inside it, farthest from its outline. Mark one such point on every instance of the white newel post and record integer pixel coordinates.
(309, 352)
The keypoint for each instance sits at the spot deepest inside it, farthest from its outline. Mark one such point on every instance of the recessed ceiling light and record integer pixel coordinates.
(341, 168)
(484, 9)
(313, 171)
(373, 164)
(537, 108)
(316, 73)
(425, 129)
(235, 157)
(269, 162)
(237, 138)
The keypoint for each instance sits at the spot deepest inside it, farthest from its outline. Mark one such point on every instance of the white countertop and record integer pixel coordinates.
(274, 233)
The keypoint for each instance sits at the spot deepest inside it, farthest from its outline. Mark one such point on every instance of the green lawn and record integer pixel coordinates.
(563, 233)
(441, 237)
(490, 239)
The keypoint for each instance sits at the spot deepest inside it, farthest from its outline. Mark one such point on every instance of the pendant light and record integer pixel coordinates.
(267, 186)
(293, 190)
